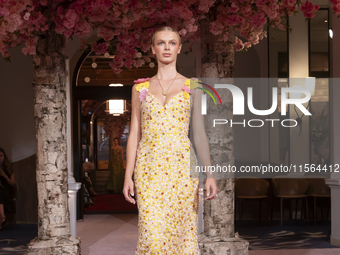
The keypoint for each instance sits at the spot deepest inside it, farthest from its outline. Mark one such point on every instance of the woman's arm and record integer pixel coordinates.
(134, 135)
(131, 149)
(201, 141)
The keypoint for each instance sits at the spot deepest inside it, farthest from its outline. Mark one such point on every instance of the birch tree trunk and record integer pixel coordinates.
(52, 174)
(218, 62)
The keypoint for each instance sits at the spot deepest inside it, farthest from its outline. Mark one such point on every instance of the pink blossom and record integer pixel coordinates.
(290, 2)
(105, 33)
(14, 22)
(4, 11)
(43, 2)
(216, 27)
(68, 33)
(336, 7)
(224, 37)
(141, 80)
(70, 18)
(100, 48)
(139, 63)
(3, 49)
(182, 31)
(233, 20)
(27, 16)
(205, 5)
(83, 45)
(246, 11)
(233, 8)
(186, 89)
(247, 44)
(30, 46)
(142, 93)
(281, 27)
(309, 9)
(238, 44)
(261, 3)
(83, 28)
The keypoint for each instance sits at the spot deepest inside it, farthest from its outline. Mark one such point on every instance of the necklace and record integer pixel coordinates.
(165, 92)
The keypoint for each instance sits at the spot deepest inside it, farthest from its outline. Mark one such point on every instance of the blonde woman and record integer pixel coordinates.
(160, 157)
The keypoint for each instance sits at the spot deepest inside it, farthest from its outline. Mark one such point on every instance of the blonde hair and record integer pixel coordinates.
(165, 28)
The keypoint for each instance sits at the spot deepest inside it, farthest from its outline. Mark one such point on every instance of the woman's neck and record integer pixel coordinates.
(166, 72)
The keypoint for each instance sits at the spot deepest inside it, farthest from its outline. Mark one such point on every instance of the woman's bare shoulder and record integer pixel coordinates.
(183, 78)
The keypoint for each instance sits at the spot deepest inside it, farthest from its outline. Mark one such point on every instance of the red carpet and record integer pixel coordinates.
(111, 203)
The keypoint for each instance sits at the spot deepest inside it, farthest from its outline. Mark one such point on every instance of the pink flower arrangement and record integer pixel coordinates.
(309, 9)
(131, 23)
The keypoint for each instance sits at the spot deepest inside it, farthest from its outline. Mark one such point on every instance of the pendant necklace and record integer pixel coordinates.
(165, 92)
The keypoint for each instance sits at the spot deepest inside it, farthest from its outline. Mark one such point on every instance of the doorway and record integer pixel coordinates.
(94, 129)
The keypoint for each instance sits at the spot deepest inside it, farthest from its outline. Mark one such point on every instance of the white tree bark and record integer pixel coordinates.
(219, 236)
(52, 174)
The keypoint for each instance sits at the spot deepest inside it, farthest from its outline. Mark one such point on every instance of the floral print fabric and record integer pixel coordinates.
(166, 193)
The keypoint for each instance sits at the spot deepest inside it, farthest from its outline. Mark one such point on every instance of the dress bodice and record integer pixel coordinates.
(171, 120)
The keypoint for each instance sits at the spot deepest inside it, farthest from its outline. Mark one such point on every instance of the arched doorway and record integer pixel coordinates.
(90, 91)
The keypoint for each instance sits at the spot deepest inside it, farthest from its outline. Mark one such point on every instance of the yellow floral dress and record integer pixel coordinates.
(166, 191)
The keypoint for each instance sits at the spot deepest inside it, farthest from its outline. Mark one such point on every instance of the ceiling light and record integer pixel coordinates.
(87, 79)
(330, 31)
(116, 106)
(116, 85)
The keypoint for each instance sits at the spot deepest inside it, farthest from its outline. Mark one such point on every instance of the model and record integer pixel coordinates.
(160, 158)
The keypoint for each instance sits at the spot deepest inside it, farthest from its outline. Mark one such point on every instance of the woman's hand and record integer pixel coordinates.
(2, 173)
(211, 186)
(128, 190)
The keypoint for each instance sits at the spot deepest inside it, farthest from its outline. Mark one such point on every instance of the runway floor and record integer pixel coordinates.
(117, 234)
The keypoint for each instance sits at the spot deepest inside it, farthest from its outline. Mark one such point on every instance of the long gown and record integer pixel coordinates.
(167, 194)
(115, 181)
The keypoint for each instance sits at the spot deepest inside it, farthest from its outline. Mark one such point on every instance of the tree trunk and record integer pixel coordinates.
(218, 62)
(52, 174)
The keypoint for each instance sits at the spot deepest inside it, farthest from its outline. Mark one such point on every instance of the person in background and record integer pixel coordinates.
(7, 183)
(115, 181)
(89, 192)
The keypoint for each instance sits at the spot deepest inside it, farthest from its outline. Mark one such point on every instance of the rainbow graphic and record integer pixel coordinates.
(205, 90)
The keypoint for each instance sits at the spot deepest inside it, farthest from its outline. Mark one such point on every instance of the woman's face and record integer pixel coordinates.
(166, 46)
(2, 157)
(116, 141)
